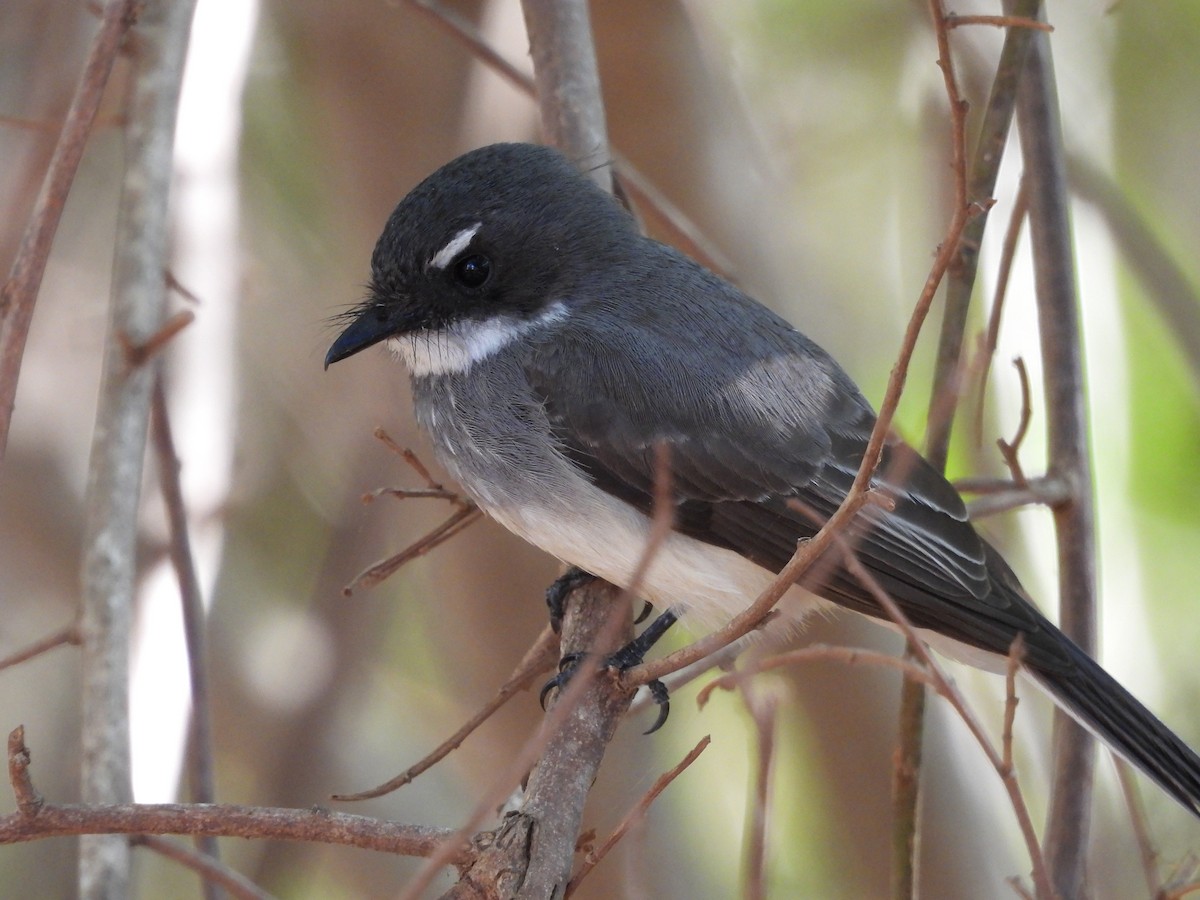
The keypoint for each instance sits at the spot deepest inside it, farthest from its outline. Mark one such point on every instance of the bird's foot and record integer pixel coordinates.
(632, 654)
(557, 593)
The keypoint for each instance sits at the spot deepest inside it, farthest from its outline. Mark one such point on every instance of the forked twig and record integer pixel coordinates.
(464, 516)
(593, 857)
(539, 659)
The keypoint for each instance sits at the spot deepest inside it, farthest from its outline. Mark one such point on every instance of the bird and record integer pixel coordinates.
(552, 348)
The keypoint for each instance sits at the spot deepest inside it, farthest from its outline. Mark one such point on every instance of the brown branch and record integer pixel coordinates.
(1011, 450)
(539, 659)
(538, 842)
(315, 825)
(29, 801)
(68, 635)
(1069, 817)
(35, 819)
(373, 575)
(1016, 655)
(954, 20)
(944, 686)
(19, 294)
(567, 748)
(201, 779)
(1008, 253)
(635, 815)
(852, 656)
(1141, 829)
(209, 869)
(765, 712)
(859, 494)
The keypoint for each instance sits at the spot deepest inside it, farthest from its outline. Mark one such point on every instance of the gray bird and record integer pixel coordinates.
(552, 347)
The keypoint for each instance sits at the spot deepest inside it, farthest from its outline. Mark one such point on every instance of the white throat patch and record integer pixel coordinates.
(456, 348)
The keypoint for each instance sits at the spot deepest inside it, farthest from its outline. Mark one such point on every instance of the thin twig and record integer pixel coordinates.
(210, 870)
(944, 686)
(68, 635)
(1016, 655)
(635, 815)
(19, 294)
(1008, 253)
(29, 801)
(1011, 450)
(564, 706)
(458, 522)
(764, 709)
(1141, 828)
(852, 656)
(539, 659)
(858, 495)
(954, 20)
(200, 756)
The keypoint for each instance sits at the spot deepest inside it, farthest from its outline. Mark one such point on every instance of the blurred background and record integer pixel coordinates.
(809, 141)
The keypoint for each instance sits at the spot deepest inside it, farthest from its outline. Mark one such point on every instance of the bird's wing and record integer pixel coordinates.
(759, 448)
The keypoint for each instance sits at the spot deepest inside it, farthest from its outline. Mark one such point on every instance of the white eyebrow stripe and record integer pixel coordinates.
(456, 245)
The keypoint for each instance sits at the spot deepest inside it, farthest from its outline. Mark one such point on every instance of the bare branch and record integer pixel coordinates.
(568, 84)
(68, 635)
(1069, 817)
(635, 815)
(19, 294)
(200, 762)
(765, 712)
(459, 521)
(1141, 829)
(1011, 450)
(539, 659)
(119, 442)
(206, 866)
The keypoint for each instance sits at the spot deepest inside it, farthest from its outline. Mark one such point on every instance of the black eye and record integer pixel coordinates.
(472, 271)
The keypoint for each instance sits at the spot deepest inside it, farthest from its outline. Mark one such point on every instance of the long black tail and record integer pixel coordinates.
(1118, 718)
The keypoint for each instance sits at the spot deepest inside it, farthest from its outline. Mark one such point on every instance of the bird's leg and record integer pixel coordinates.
(557, 593)
(632, 654)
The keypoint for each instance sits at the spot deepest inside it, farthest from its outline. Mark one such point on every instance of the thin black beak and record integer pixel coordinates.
(374, 324)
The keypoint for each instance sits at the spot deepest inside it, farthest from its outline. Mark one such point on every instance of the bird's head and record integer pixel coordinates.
(497, 235)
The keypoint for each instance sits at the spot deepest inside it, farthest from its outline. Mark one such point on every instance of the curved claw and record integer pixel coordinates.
(647, 608)
(566, 668)
(557, 593)
(658, 691)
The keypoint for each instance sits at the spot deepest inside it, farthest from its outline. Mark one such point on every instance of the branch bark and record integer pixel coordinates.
(119, 442)
(1067, 827)
(568, 84)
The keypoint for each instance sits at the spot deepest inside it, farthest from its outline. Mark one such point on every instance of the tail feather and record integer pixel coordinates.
(1120, 720)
